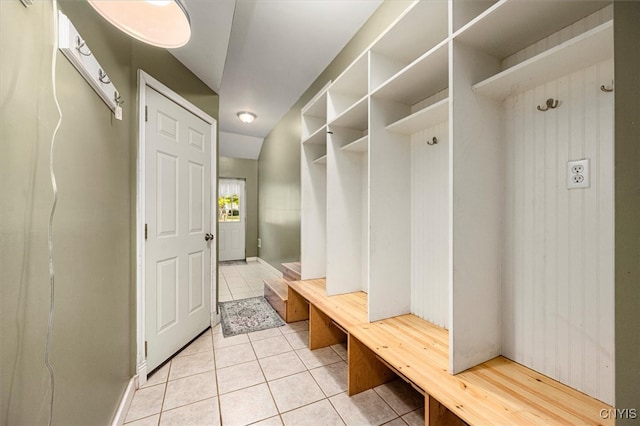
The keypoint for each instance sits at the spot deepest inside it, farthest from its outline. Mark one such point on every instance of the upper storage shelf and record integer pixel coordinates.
(424, 77)
(511, 25)
(421, 28)
(356, 117)
(314, 115)
(349, 88)
(582, 51)
(422, 119)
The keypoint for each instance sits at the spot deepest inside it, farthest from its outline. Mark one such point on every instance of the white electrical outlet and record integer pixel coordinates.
(578, 174)
(259, 242)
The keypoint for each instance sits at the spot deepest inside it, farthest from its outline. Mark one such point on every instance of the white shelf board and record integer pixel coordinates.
(423, 119)
(321, 160)
(356, 117)
(353, 81)
(511, 25)
(317, 108)
(317, 137)
(359, 145)
(427, 75)
(419, 29)
(580, 52)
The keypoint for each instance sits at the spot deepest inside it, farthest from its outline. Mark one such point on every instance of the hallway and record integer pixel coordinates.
(268, 377)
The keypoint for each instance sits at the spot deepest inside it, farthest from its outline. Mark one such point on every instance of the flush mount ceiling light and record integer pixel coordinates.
(161, 23)
(246, 116)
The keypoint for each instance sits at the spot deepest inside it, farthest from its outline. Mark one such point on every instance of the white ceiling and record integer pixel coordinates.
(264, 55)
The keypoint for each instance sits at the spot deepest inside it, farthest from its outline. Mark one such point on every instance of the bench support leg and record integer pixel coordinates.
(322, 332)
(365, 370)
(297, 307)
(436, 414)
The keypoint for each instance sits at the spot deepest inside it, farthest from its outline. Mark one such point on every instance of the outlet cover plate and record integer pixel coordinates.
(578, 174)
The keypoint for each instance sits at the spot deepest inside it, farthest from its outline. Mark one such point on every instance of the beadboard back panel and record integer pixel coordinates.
(558, 252)
(430, 225)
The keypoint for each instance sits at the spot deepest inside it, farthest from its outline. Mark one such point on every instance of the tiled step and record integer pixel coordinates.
(275, 291)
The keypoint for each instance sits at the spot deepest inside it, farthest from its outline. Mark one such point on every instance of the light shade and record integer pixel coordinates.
(162, 23)
(246, 116)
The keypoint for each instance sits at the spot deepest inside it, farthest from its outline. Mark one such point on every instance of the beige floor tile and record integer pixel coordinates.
(189, 390)
(189, 365)
(292, 392)
(242, 295)
(247, 406)
(158, 377)
(332, 378)
(318, 413)
(415, 418)
(341, 350)
(396, 422)
(146, 402)
(147, 421)
(318, 358)
(298, 339)
(282, 365)
(237, 284)
(217, 329)
(200, 413)
(292, 327)
(226, 297)
(400, 396)
(219, 341)
(365, 408)
(271, 421)
(233, 355)
(271, 346)
(203, 343)
(239, 377)
(264, 334)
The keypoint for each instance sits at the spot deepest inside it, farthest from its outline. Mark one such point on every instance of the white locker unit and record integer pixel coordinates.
(444, 192)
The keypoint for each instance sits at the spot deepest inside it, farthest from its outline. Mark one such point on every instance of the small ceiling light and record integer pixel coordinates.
(246, 116)
(161, 23)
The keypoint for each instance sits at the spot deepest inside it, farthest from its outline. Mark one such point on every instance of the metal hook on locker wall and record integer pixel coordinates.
(550, 104)
(102, 76)
(606, 89)
(433, 141)
(80, 44)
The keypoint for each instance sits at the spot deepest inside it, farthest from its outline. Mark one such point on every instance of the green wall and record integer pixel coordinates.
(245, 169)
(627, 233)
(93, 346)
(279, 162)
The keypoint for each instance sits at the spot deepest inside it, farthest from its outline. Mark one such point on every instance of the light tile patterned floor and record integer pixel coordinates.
(268, 377)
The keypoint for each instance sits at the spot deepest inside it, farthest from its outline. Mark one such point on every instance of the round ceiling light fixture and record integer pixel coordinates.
(246, 116)
(161, 23)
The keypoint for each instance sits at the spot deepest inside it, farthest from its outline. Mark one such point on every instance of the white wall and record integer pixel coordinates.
(558, 275)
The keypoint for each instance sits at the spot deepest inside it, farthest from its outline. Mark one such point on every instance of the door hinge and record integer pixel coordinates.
(146, 113)
(145, 231)
(145, 348)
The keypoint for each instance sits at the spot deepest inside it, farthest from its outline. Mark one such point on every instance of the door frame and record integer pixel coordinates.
(243, 207)
(144, 81)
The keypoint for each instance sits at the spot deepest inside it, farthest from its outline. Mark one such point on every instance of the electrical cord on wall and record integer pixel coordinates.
(54, 188)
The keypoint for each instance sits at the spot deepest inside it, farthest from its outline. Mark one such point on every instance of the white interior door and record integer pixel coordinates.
(231, 219)
(178, 215)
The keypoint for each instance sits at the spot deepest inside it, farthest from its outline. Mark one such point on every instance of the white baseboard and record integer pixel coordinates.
(265, 263)
(125, 402)
(252, 259)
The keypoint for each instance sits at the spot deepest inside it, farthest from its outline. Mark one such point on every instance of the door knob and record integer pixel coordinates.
(208, 237)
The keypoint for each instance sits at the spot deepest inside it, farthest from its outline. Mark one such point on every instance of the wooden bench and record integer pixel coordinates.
(499, 391)
(276, 292)
(329, 316)
(291, 271)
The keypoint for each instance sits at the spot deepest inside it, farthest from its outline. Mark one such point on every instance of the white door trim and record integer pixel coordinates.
(145, 80)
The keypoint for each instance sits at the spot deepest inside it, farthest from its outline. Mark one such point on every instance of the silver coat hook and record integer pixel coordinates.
(605, 89)
(80, 44)
(433, 141)
(550, 104)
(102, 76)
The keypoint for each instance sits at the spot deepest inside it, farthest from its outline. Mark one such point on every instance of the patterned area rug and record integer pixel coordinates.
(247, 315)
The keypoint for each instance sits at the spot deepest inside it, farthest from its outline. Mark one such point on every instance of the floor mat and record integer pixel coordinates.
(248, 315)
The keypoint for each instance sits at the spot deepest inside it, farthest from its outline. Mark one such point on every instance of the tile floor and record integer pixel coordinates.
(268, 377)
